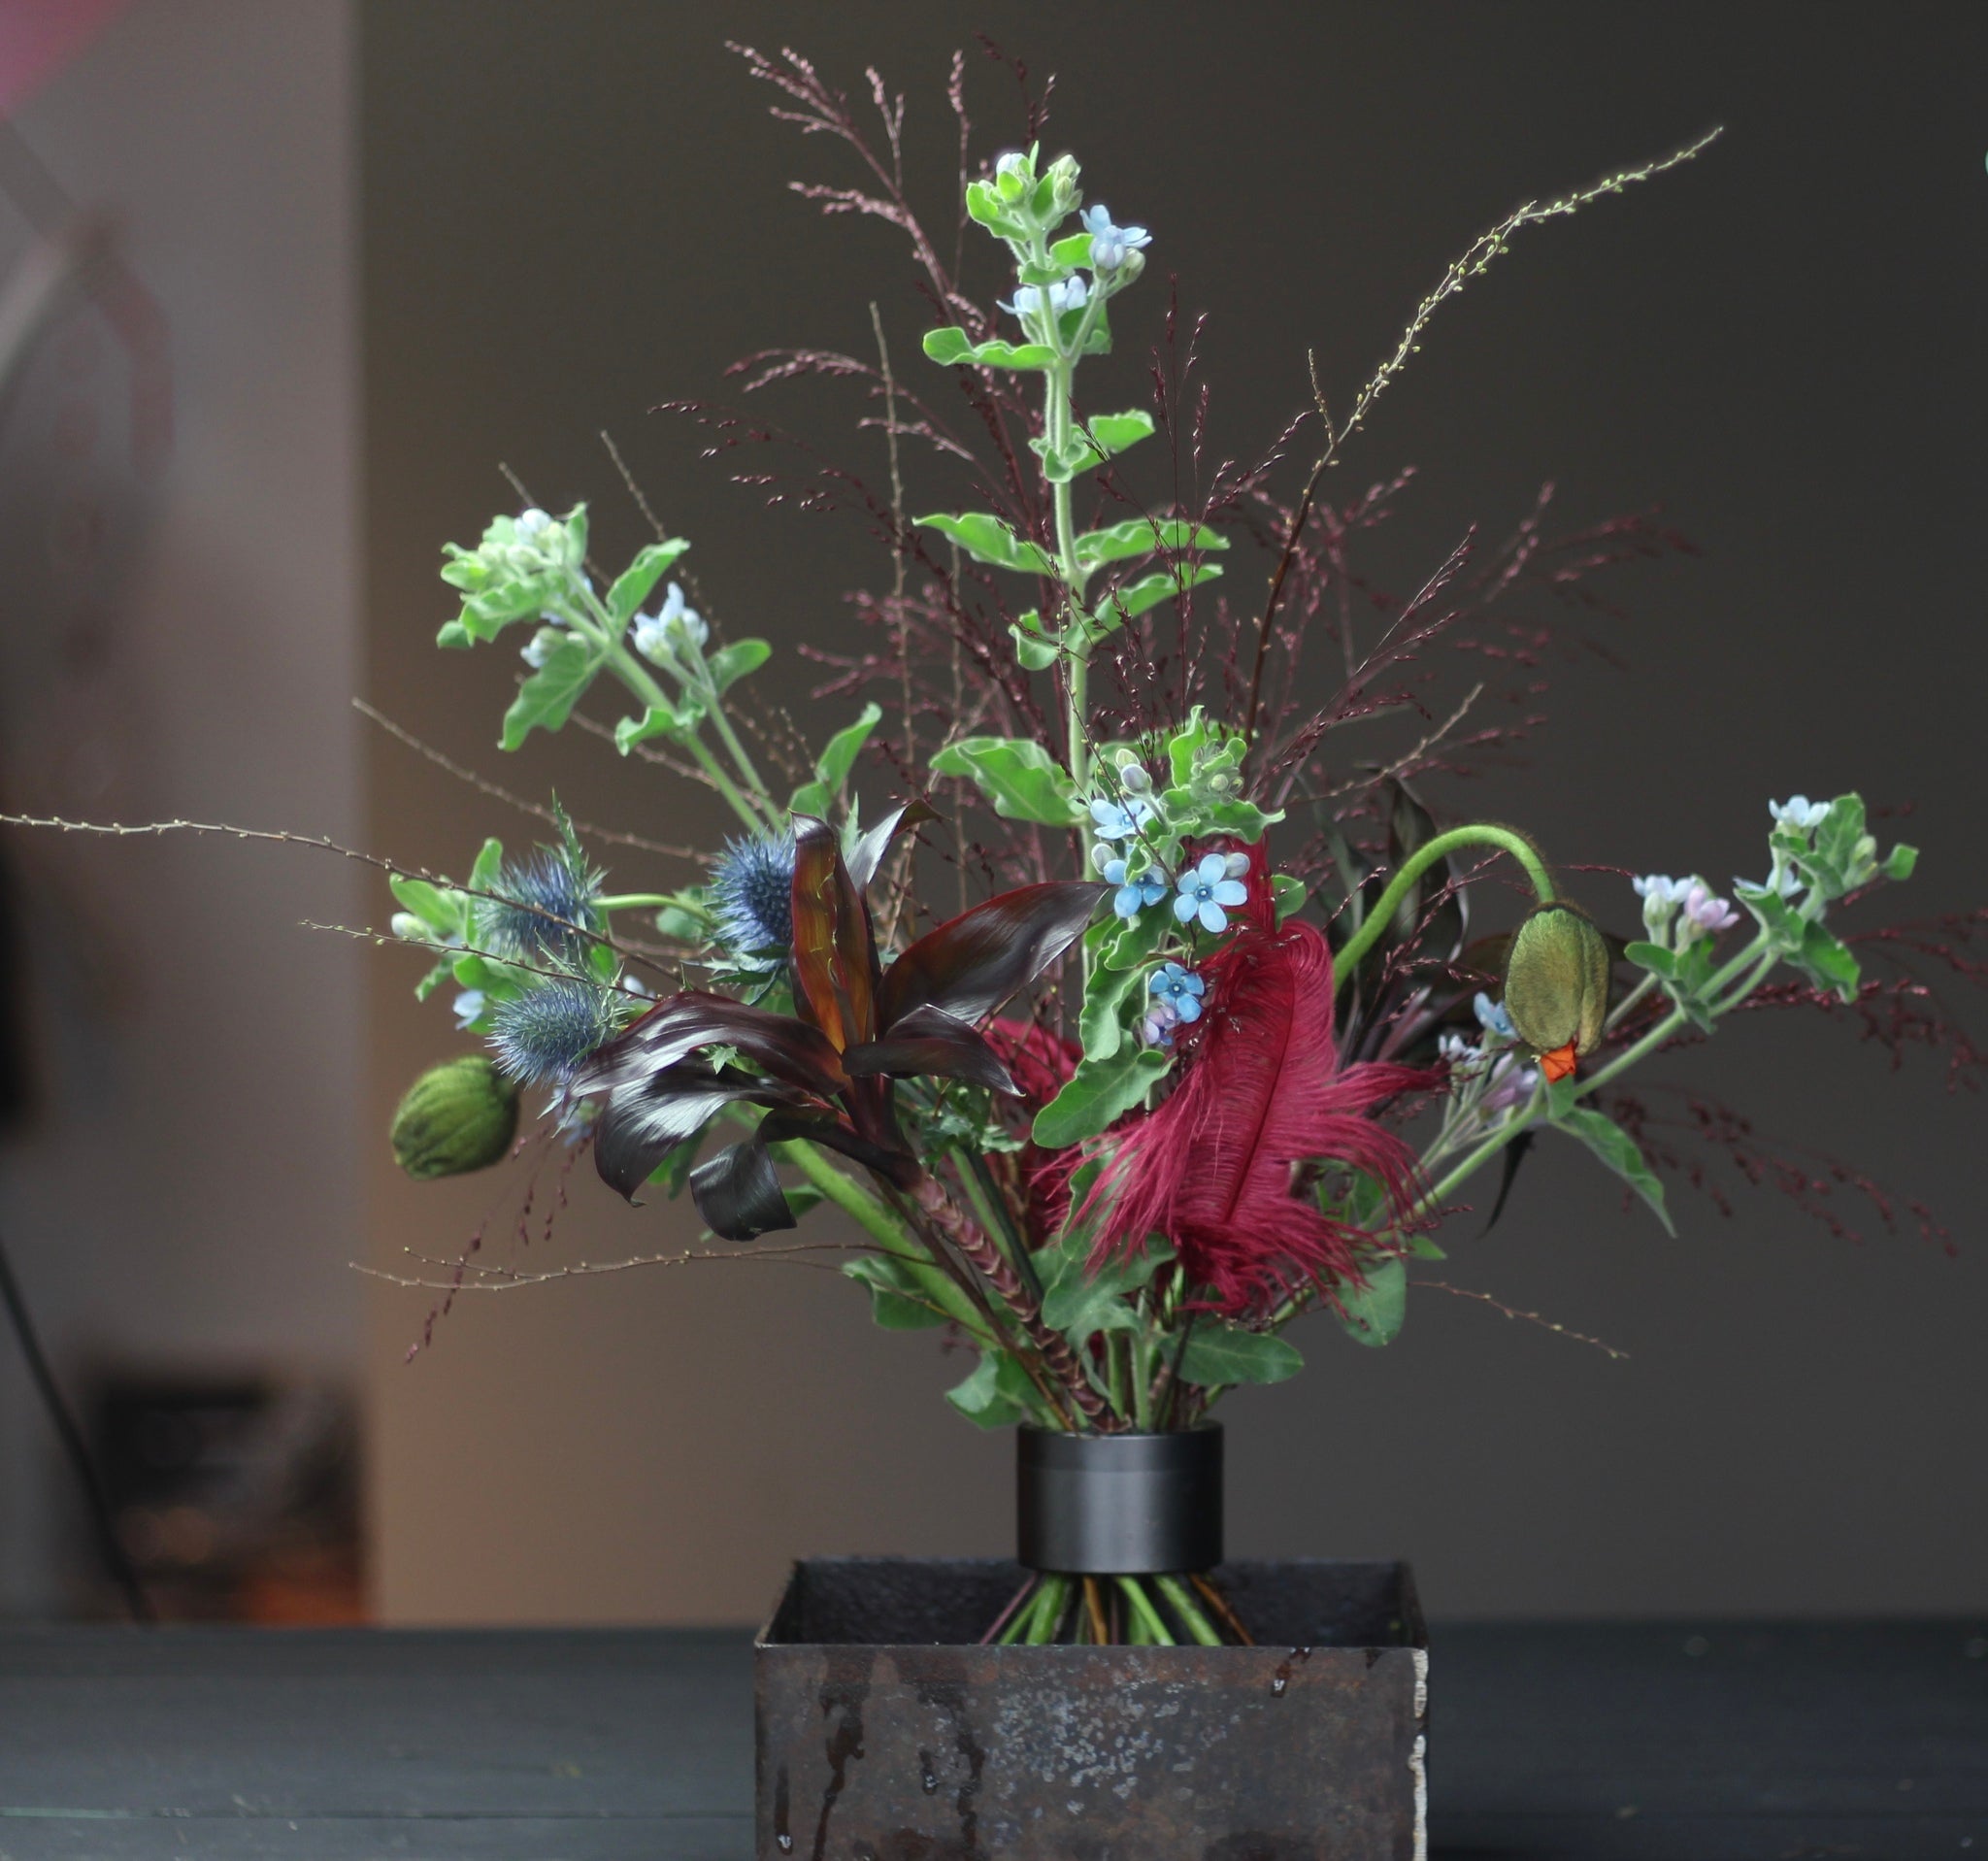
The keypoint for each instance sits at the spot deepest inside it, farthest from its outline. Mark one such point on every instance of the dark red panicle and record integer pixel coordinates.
(824, 1073)
(1261, 1091)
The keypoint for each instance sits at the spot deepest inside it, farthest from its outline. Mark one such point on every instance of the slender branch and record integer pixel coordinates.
(483, 786)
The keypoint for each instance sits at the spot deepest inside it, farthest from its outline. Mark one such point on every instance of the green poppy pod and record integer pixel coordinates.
(1556, 979)
(458, 1116)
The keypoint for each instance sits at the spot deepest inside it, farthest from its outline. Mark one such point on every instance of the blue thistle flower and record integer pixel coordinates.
(752, 894)
(545, 1032)
(552, 879)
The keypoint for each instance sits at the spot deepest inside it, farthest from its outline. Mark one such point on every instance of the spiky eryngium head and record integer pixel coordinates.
(545, 1033)
(752, 892)
(550, 883)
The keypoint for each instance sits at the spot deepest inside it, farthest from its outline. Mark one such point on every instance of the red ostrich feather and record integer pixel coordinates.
(1262, 1089)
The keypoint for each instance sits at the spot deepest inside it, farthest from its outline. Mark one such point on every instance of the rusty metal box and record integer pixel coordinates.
(887, 1732)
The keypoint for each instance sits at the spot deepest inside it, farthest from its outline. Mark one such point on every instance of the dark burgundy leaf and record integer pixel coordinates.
(872, 847)
(738, 1193)
(930, 1040)
(971, 964)
(835, 953)
(892, 1161)
(644, 1119)
(787, 1047)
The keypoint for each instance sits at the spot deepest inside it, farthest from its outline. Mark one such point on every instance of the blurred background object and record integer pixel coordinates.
(178, 552)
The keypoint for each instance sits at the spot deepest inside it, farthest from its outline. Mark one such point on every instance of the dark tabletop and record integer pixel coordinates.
(1600, 1740)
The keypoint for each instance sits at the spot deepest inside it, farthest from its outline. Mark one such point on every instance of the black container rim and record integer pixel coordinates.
(1121, 1453)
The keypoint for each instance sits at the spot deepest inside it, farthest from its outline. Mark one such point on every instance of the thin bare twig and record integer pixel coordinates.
(590, 830)
(1531, 1318)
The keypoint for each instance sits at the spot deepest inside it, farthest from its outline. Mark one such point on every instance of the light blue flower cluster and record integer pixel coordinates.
(1799, 813)
(671, 633)
(1177, 999)
(1111, 246)
(1691, 902)
(1072, 294)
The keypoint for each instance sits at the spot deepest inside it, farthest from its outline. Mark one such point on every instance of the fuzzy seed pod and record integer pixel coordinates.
(458, 1116)
(1556, 982)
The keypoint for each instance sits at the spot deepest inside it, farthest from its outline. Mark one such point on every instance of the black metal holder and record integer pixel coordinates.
(1118, 1505)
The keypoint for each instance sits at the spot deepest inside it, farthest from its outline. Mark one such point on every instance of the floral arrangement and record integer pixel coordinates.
(1204, 1037)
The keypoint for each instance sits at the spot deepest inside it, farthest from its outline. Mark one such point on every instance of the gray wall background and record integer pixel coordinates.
(572, 212)
(188, 1195)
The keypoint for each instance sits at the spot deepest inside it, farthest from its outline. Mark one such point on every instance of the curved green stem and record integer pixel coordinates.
(1481, 834)
(1148, 1618)
(1193, 1618)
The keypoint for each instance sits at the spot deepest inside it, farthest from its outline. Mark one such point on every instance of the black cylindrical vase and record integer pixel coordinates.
(1118, 1505)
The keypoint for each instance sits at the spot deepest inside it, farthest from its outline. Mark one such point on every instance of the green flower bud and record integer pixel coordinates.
(1556, 982)
(1064, 194)
(458, 1116)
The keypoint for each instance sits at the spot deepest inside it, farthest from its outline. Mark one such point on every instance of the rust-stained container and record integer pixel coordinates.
(887, 1732)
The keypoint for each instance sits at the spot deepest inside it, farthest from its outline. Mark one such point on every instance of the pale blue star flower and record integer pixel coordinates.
(469, 1007)
(672, 631)
(1157, 1028)
(1133, 894)
(1205, 889)
(1070, 294)
(1120, 821)
(1493, 1019)
(1799, 813)
(1110, 244)
(1179, 989)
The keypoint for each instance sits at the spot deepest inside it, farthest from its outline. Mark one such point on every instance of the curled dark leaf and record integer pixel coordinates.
(973, 963)
(738, 1193)
(930, 1040)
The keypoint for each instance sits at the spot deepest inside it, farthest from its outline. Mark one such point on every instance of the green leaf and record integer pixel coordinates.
(1082, 1300)
(486, 615)
(1373, 1314)
(1828, 962)
(1218, 1355)
(1653, 958)
(1072, 253)
(997, 1395)
(895, 1301)
(1135, 598)
(1115, 432)
(811, 798)
(1101, 1022)
(1288, 895)
(1036, 650)
(1900, 861)
(442, 972)
(1062, 463)
(986, 539)
(947, 346)
(454, 636)
(1096, 1093)
(1139, 536)
(659, 720)
(1617, 1149)
(1018, 776)
(445, 914)
(731, 663)
(545, 699)
(832, 766)
(633, 585)
(952, 348)
(487, 867)
(682, 927)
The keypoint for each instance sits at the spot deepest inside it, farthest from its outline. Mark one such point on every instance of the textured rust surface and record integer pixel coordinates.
(909, 1743)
